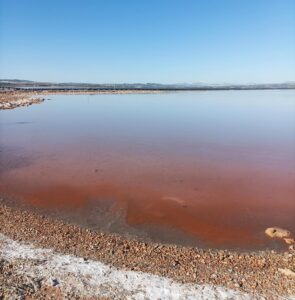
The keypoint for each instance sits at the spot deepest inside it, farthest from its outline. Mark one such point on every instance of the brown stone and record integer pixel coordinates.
(276, 232)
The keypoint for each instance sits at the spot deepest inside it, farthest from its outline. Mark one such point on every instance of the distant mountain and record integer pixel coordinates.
(28, 84)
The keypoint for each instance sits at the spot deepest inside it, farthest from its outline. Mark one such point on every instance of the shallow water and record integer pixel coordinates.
(208, 168)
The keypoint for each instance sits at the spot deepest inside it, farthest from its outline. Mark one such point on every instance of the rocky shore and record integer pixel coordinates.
(258, 275)
(13, 99)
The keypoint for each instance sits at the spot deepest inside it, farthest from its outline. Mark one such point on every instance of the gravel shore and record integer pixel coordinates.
(260, 273)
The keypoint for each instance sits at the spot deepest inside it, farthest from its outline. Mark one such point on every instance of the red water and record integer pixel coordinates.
(220, 194)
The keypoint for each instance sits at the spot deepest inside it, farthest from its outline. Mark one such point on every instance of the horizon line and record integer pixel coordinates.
(146, 83)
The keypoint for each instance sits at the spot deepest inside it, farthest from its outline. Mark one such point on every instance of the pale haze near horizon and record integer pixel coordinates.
(148, 41)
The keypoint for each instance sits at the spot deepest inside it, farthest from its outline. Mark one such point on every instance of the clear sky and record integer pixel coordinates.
(165, 41)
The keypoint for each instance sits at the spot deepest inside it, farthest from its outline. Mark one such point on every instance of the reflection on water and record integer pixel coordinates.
(215, 167)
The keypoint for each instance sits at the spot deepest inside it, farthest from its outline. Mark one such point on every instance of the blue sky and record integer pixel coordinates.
(210, 41)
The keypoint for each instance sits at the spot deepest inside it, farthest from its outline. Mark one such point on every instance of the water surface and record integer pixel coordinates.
(208, 168)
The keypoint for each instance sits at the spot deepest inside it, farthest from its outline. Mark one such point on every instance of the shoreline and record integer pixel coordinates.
(256, 273)
(13, 98)
(18, 98)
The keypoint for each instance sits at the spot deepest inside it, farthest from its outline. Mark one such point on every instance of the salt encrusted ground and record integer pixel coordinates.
(74, 276)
